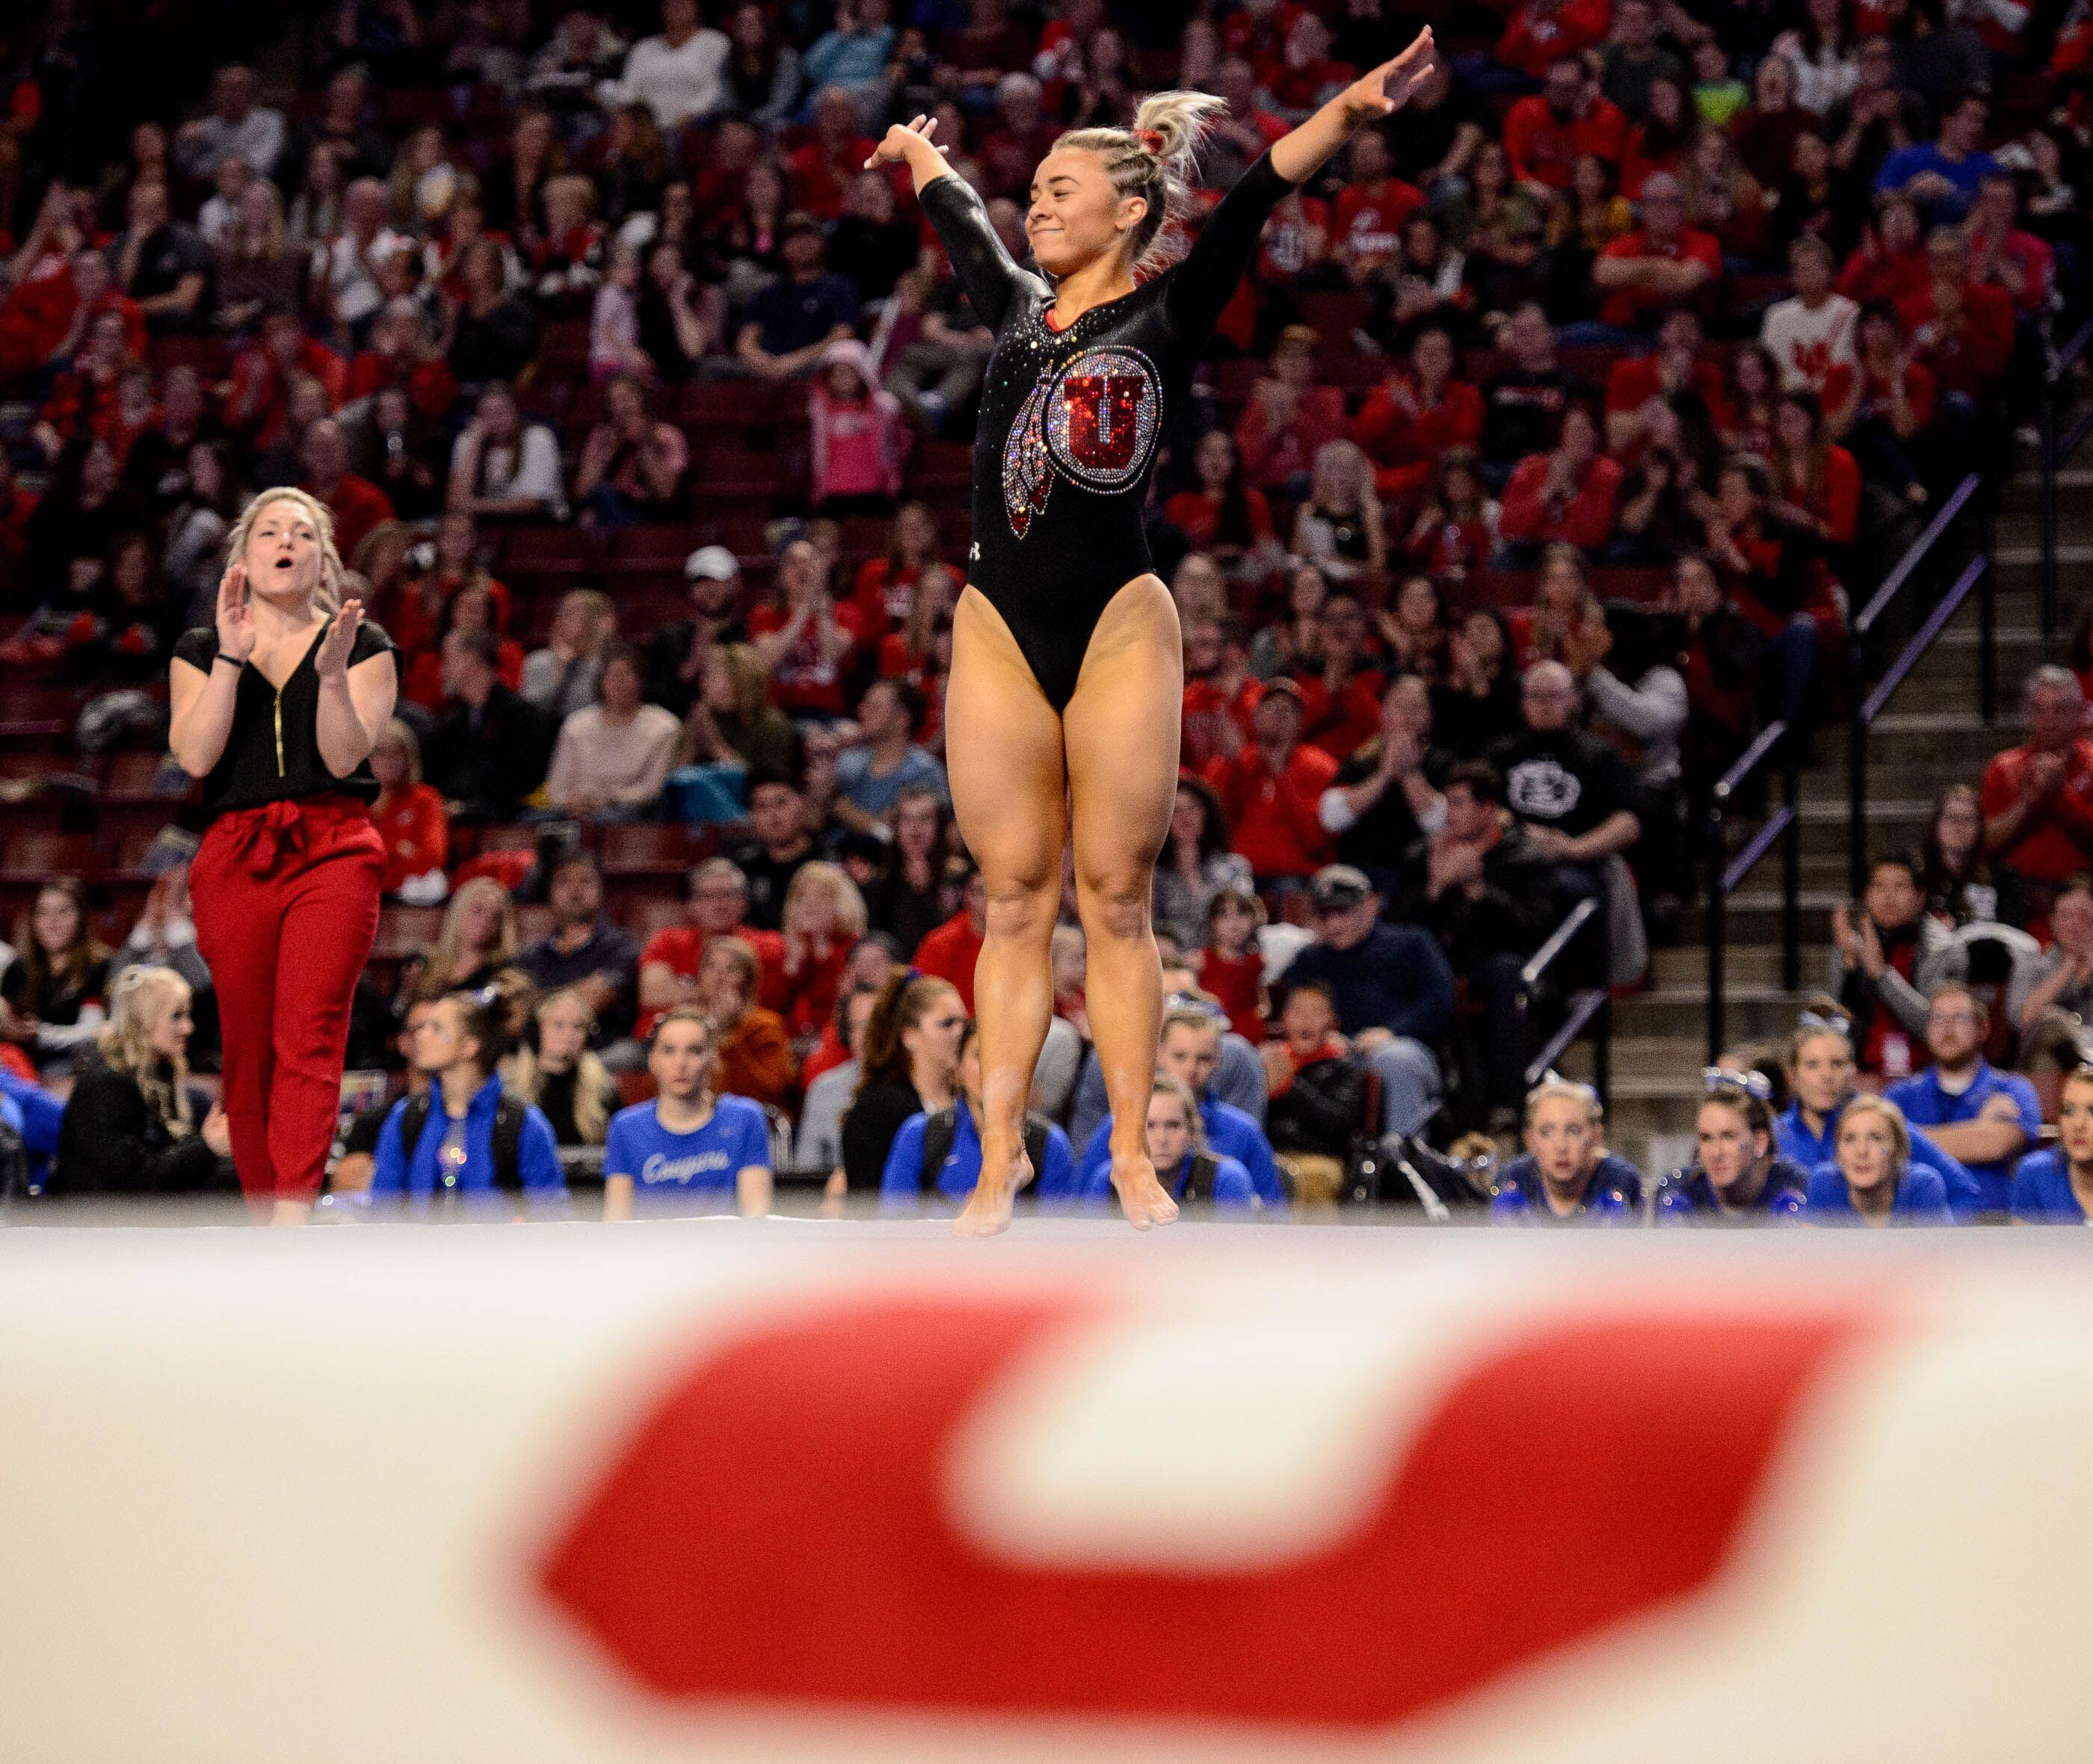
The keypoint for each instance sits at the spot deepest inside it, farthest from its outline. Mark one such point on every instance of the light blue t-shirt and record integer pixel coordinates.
(678, 1170)
(876, 795)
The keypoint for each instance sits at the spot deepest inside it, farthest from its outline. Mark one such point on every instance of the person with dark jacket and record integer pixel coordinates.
(130, 1125)
(1393, 991)
(909, 1066)
(491, 746)
(1480, 886)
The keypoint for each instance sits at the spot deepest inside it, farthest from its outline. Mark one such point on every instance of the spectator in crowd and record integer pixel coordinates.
(716, 906)
(1961, 884)
(2055, 1186)
(1188, 1167)
(822, 921)
(1196, 863)
(950, 951)
(752, 1048)
(132, 1125)
(1884, 968)
(410, 816)
(780, 817)
(1190, 1051)
(1478, 883)
(1568, 495)
(632, 465)
(613, 758)
(159, 263)
(1341, 528)
(1232, 964)
(1545, 133)
(356, 504)
(560, 679)
(490, 748)
(872, 774)
(1663, 263)
(1821, 1074)
(1289, 418)
(236, 125)
(817, 1144)
(809, 640)
(1385, 797)
(1942, 175)
(791, 322)
(858, 439)
(939, 1152)
(52, 994)
(475, 941)
(1871, 1181)
(493, 333)
(679, 73)
(696, 1146)
(2050, 999)
(2038, 798)
(1394, 990)
(164, 937)
(1738, 1175)
(463, 1144)
(909, 895)
(1983, 1118)
(1565, 1174)
(1270, 790)
(1813, 333)
(587, 954)
(504, 469)
(1568, 788)
(561, 1076)
(677, 654)
(908, 1065)
(1318, 1109)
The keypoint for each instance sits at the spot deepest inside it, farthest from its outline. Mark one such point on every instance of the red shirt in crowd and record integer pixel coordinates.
(1340, 723)
(424, 683)
(1584, 519)
(1872, 274)
(680, 948)
(416, 828)
(810, 994)
(1237, 985)
(1404, 436)
(1835, 498)
(949, 953)
(1370, 216)
(2056, 838)
(1629, 306)
(358, 504)
(1969, 356)
(1544, 151)
(1274, 813)
(1538, 35)
(803, 681)
(1271, 453)
(1198, 516)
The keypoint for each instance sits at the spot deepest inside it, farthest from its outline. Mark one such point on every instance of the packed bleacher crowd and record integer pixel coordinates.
(1531, 476)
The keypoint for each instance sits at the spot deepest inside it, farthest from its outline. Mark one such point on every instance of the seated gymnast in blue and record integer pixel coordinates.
(1189, 1169)
(1061, 716)
(1566, 1177)
(1871, 1180)
(2055, 1187)
(939, 1154)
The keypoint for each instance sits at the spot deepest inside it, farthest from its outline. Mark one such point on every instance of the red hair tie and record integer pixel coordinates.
(1149, 138)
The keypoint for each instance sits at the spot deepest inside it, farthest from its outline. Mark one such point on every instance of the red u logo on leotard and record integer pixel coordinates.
(1104, 419)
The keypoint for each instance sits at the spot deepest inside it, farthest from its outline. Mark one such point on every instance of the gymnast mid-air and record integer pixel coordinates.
(1067, 667)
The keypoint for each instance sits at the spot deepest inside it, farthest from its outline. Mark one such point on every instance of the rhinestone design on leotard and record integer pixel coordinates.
(1094, 419)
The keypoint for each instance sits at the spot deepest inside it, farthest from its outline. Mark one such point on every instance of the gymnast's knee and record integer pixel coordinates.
(1021, 910)
(1114, 903)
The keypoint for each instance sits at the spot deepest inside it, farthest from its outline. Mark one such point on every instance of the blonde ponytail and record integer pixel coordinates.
(1154, 160)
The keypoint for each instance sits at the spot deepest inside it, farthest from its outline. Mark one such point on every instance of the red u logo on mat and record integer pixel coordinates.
(779, 1528)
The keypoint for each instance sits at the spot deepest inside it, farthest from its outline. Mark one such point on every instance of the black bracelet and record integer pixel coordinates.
(223, 657)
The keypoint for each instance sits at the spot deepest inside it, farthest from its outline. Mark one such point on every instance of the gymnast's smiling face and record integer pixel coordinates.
(1075, 216)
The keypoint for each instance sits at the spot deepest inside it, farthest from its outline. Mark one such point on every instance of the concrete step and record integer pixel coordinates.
(1754, 916)
(1684, 966)
(1897, 821)
(2022, 494)
(1750, 1012)
(1907, 733)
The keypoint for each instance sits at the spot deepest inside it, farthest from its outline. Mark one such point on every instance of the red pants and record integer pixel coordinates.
(285, 899)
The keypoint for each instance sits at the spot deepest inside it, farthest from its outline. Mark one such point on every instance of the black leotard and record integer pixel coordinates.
(1069, 418)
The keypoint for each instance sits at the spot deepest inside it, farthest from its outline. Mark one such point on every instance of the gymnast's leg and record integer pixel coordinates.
(1120, 734)
(1002, 756)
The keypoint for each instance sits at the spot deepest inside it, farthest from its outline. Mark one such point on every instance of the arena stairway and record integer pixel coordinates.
(1931, 735)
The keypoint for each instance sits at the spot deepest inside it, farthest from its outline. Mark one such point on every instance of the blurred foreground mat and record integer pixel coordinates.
(857, 1493)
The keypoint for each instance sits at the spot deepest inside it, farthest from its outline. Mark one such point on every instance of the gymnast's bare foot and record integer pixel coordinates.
(988, 1208)
(1145, 1200)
